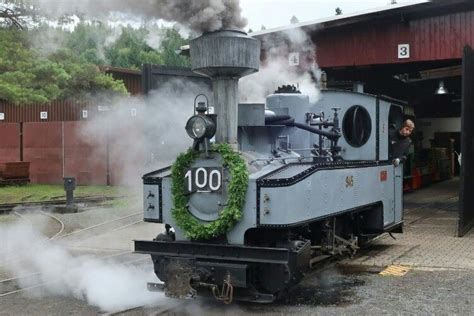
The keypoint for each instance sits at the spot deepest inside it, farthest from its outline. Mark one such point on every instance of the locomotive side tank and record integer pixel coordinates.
(319, 182)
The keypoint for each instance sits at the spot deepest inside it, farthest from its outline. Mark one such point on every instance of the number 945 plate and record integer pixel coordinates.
(203, 180)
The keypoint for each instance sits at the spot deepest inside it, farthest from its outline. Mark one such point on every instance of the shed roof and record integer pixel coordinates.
(420, 7)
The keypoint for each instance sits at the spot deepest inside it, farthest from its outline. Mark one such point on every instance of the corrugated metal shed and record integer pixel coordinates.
(430, 39)
(53, 111)
(436, 30)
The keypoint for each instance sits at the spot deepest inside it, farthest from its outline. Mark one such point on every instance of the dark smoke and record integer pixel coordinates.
(198, 15)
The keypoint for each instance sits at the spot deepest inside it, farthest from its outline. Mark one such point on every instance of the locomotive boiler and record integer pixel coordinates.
(283, 185)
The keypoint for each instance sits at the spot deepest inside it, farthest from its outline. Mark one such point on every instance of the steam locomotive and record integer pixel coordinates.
(317, 181)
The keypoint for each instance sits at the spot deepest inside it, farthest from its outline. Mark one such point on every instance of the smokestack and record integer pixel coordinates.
(225, 56)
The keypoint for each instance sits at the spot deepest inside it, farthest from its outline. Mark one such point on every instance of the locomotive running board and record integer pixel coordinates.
(233, 253)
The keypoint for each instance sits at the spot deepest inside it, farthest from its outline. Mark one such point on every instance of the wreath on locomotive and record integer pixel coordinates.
(201, 128)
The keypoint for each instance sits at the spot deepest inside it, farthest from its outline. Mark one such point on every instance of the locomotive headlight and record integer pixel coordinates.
(200, 126)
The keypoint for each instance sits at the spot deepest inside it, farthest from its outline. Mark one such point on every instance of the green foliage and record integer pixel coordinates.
(46, 63)
(23, 77)
(237, 189)
(171, 43)
(26, 77)
(85, 78)
(86, 40)
(130, 50)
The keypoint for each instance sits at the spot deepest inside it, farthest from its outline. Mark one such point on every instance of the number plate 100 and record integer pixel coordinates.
(203, 179)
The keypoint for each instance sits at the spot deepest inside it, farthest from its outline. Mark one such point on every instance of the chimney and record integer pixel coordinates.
(225, 56)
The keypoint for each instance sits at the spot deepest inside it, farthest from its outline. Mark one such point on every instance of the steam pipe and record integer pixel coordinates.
(289, 121)
(225, 100)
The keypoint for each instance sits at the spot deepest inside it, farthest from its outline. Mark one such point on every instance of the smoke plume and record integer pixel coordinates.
(276, 69)
(107, 285)
(198, 15)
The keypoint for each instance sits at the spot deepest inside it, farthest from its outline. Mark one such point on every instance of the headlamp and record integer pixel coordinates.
(200, 126)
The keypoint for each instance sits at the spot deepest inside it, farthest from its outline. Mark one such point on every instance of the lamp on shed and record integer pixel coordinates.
(441, 89)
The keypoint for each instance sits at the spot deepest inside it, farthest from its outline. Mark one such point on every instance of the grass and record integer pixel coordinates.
(44, 192)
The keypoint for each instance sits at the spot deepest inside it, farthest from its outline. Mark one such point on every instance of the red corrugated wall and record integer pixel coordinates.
(43, 149)
(9, 142)
(85, 161)
(58, 149)
(432, 38)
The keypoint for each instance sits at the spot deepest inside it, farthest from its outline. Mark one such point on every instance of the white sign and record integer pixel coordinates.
(133, 112)
(294, 59)
(84, 114)
(103, 108)
(44, 115)
(2, 116)
(403, 51)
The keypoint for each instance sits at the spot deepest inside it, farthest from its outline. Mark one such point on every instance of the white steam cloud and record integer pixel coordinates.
(107, 285)
(276, 70)
(143, 133)
(198, 15)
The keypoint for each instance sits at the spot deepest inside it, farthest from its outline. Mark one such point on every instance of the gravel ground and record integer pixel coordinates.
(329, 292)
(333, 292)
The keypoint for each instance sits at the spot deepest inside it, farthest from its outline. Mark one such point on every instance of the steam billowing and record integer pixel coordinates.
(276, 70)
(198, 15)
(107, 285)
(144, 134)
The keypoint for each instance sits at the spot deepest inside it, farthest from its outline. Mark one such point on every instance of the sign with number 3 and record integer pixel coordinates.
(403, 51)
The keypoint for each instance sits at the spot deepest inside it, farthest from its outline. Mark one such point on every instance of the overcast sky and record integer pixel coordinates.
(275, 13)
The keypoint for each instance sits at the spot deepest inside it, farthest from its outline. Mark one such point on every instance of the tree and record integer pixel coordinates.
(25, 77)
(338, 11)
(12, 15)
(87, 41)
(170, 45)
(17, 13)
(84, 78)
(130, 50)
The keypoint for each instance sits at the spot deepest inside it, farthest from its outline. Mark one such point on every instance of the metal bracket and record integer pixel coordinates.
(226, 293)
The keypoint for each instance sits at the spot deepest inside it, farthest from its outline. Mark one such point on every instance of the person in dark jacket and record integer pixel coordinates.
(400, 141)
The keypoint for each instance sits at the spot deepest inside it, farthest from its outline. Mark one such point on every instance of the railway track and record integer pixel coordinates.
(12, 286)
(24, 283)
(112, 225)
(170, 308)
(8, 207)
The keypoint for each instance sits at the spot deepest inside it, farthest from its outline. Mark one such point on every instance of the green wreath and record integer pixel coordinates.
(237, 189)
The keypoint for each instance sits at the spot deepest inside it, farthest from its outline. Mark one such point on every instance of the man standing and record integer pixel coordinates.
(400, 142)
